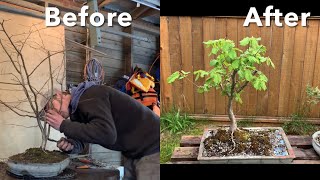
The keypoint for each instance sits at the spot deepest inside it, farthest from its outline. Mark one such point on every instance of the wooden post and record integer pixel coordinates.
(128, 57)
(95, 33)
(165, 69)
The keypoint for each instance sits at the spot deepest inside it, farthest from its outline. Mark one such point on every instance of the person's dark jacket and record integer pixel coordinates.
(114, 120)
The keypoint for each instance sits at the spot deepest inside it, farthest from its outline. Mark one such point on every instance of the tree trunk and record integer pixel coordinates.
(232, 118)
(43, 134)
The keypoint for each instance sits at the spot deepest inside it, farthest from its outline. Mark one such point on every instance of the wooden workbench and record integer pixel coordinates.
(189, 145)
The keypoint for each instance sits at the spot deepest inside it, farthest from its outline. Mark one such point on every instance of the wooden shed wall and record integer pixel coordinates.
(143, 53)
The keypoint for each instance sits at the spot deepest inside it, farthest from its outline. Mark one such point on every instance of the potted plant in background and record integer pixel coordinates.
(316, 142)
(313, 98)
(233, 70)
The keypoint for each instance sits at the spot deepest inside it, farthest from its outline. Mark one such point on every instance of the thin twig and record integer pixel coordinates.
(21, 125)
(12, 61)
(19, 114)
(9, 83)
(25, 69)
(43, 60)
(193, 83)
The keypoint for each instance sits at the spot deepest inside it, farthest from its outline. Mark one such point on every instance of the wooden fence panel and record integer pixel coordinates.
(198, 62)
(187, 65)
(294, 51)
(208, 34)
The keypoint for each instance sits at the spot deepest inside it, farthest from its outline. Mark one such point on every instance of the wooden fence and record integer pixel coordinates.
(295, 52)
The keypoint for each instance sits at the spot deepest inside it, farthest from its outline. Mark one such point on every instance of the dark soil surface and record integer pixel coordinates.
(247, 142)
(36, 155)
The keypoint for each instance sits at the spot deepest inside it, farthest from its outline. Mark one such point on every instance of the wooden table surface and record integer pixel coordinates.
(189, 145)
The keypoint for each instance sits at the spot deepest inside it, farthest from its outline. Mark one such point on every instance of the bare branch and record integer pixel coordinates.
(35, 109)
(16, 84)
(40, 37)
(50, 73)
(18, 101)
(21, 125)
(12, 61)
(17, 79)
(22, 110)
(26, 33)
(246, 83)
(222, 89)
(16, 112)
(43, 61)
(23, 43)
(39, 91)
(4, 89)
(16, 106)
(63, 64)
(6, 62)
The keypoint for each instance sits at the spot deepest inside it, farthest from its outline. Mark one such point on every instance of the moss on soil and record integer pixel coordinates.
(247, 142)
(36, 155)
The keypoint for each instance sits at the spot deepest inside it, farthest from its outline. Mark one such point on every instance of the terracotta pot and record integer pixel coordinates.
(37, 169)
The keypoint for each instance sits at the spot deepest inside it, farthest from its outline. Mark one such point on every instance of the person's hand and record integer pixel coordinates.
(64, 145)
(54, 119)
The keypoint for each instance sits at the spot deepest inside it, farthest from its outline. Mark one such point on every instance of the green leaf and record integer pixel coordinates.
(245, 41)
(241, 74)
(238, 98)
(252, 59)
(232, 54)
(197, 76)
(179, 124)
(256, 84)
(263, 78)
(209, 80)
(168, 119)
(235, 64)
(269, 62)
(208, 42)
(248, 75)
(200, 90)
(173, 77)
(217, 78)
(263, 86)
(254, 43)
(262, 59)
(214, 50)
(213, 62)
(200, 73)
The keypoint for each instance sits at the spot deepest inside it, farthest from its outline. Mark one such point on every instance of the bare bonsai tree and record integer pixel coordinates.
(14, 45)
(231, 72)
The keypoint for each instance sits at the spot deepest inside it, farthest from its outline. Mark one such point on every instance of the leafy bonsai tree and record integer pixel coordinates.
(231, 70)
